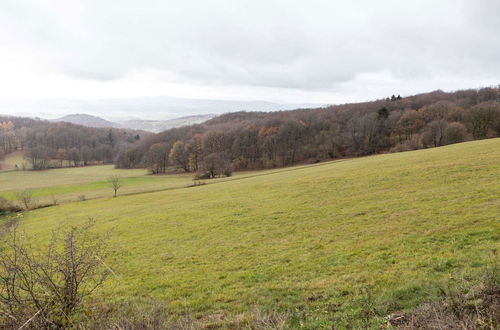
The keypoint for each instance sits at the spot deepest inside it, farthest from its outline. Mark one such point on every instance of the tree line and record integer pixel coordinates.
(48, 144)
(255, 140)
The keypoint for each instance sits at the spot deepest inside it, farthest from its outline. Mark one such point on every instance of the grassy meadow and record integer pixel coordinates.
(90, 182)
(67, 184)
(321, 241)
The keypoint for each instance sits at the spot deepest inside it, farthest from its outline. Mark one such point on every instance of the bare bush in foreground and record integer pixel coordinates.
(46, 288)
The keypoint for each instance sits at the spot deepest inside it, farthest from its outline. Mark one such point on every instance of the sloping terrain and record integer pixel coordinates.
(161, 125)
(86, 120)
(315, 240)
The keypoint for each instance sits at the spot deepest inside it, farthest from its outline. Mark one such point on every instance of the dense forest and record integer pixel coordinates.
(253, 140)
(48, 144)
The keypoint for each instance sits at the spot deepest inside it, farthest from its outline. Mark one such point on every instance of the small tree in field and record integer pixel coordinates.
(26, 198)
(115, 183)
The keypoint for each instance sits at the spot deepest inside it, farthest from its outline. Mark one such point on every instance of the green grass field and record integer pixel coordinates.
(69, 184)
(312, 240)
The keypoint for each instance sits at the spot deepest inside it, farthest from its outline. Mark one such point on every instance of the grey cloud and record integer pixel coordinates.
(289, 44)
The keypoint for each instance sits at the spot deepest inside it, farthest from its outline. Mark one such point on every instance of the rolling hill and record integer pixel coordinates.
(150, 108)
(86, 120)
(315, 240)
(157, 126)
(154, 126)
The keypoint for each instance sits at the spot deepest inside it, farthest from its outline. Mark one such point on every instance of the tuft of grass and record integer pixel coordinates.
(464, 304)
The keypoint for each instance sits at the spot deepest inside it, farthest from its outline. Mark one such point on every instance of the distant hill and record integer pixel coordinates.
(162, 125)
(254, 139)
(143, 108)
(154, 126)
(87, 120)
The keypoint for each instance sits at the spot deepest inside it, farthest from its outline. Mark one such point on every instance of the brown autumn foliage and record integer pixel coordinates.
(48, 144)
(254, 140)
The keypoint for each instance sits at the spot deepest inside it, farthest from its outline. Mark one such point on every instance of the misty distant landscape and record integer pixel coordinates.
(154, 126)
(146, 108)
(249, 165)
(154, 114)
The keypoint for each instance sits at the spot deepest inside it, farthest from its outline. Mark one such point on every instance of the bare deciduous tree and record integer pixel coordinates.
(26, 198)
(115, 183)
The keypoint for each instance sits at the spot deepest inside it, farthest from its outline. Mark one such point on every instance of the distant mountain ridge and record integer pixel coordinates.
(154, 126)
(157, 126)
(87, 120)
(142, 108)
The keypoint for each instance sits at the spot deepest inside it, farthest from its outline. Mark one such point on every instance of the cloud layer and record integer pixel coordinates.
(319, 51)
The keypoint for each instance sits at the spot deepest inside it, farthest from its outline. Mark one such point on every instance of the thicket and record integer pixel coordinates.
(50, 287)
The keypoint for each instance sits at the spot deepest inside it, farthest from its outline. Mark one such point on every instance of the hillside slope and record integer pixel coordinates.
(86, 120)
(161, 125)
(308, 239)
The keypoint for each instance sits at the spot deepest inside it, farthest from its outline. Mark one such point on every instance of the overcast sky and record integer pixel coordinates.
(283, 51)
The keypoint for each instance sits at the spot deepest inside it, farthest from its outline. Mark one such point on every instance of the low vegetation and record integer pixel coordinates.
(7, 207)
(46, 288)
(465, 304)
(25, 198)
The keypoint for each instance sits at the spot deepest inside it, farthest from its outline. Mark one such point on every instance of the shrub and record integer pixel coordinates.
(7, 207)
(215, 165)
(408, 145)
(25, 197)
(455, 133)
(201, 176)
(47, 288)
(228, 171)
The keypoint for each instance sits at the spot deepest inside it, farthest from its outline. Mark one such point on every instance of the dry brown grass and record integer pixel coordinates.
(463, 306)
(153, 315)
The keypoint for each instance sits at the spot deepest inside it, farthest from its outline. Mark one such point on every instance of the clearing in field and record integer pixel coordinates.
(317, 239)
